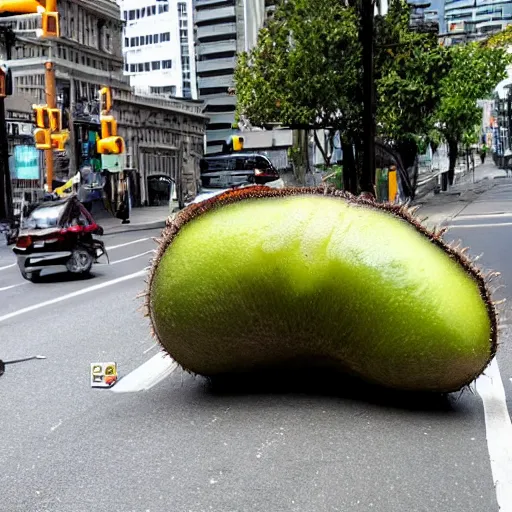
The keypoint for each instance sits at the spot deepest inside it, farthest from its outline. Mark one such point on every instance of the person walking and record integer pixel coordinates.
(483, 152)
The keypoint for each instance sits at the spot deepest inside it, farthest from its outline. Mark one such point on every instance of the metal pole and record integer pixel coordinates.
(51, 101)
(6, 207)
(369, 129)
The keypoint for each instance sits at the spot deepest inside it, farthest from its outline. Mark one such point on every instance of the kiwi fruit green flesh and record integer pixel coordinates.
(262, 278)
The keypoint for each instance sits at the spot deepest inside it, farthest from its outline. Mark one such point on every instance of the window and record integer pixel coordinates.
(125, 15)
(140, 67)
(155, 65)
(126, 41)
(155, 39)
(153, 9)
(182, 9)
(132, 68)
(132, 41)
(166, 36)
(147, 66)
(166, 64)
(132, 15)
(163, 8)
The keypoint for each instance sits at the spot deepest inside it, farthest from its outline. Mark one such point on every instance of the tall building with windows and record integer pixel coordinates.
(223, 28)
(158, 47)
(476, 19)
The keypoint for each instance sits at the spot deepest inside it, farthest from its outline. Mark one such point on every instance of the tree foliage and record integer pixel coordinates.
(306, 72)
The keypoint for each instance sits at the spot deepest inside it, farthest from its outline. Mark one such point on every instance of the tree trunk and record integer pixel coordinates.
(325, 155)
(298, 156)
(349, 168)
(453, 153)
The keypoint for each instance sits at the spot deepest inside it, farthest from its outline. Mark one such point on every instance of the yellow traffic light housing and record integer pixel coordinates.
(42, 116)
(238, 143)
(111, 146)
(43, 138)
(55, 115)
(22, 7)
(50, 24)
(59, 140)
(105, 100)
(108, 126)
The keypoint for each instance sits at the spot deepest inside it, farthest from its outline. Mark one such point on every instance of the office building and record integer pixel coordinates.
(469, 20)
(223, 28)
(158, 47)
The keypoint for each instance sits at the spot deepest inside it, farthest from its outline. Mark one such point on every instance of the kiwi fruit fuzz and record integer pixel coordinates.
(260, 278)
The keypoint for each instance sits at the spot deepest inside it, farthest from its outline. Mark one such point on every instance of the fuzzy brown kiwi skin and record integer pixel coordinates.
(174, 225)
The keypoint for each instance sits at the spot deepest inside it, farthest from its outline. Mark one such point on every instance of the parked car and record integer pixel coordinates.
(223, 170)
(58, 235)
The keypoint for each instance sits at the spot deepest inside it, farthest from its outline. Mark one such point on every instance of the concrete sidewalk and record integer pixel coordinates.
(152, 217)
(441, 208)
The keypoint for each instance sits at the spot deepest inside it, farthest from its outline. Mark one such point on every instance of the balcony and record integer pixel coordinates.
(221, 118)
(215, 81)
(216, 64)
(216, 30)
(216, 47)
(215, 14)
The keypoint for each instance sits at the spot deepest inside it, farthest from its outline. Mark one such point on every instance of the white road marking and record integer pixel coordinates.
(499, 433)
(8, 266)
(140, 240)
(485, 216)
(132, 257)
(147, 375)
(472, 226)
(12, 286)
(72, 295)
(150, 348)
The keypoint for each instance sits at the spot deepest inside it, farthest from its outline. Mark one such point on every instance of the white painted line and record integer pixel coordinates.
(132, 257)
(484, 216)
(499, 433)
(150, 348)
(140, 240)
(12, 286)
(8, 266)
(472, 226)
(72, 295)
(147, 375)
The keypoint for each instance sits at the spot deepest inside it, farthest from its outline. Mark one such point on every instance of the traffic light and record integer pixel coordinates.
(238, 143)
(50, 24)
(59, 140)
(108, 126)
(43, 138)
(42, 116)
(55, 115)
(105, 100)
(111, 146)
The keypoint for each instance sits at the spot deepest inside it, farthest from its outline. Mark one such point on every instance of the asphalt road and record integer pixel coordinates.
(185, 445)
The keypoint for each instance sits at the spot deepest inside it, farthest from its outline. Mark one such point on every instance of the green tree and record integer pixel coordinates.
(409, 66)
(305, 70)
(474, 71)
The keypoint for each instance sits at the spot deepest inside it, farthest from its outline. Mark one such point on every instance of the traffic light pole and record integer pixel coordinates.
(6, 207)
(51, 101)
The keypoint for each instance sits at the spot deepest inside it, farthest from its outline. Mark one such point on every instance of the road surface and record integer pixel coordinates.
(183, 445)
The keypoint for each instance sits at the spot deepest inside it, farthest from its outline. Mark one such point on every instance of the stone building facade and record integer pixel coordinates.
(163, 137)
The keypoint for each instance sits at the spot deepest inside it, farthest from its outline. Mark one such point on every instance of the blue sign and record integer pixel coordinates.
(26, 163)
